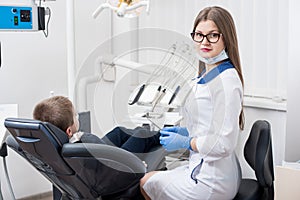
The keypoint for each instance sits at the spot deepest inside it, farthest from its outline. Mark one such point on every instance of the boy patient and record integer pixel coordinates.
(59, 111)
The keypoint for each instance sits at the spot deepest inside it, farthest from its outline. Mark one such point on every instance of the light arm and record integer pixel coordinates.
(101, 8)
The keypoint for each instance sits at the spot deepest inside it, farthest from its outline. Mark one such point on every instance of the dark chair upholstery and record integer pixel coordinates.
(80, 170)
(258, 154)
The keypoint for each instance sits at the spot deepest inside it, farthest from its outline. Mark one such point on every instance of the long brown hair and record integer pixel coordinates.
(224, 21)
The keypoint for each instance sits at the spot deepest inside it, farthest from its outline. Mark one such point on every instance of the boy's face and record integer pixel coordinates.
(76, 121)
(75, 126)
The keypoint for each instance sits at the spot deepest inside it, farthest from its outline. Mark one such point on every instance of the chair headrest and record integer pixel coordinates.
(30, 124)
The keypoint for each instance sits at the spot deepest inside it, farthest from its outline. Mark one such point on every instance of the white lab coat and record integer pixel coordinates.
(211, 114)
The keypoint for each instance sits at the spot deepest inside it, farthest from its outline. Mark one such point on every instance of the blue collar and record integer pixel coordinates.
(215, 72)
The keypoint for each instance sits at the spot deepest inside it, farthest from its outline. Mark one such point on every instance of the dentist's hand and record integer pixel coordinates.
(177, 129)
(172, 141)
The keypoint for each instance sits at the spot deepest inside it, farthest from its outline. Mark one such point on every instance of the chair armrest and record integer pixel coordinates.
(105, 169)
(123, 159)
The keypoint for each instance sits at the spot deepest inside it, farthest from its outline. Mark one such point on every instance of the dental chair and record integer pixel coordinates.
(80, 170)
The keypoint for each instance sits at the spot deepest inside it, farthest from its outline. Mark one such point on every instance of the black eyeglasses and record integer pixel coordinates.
(211, 37)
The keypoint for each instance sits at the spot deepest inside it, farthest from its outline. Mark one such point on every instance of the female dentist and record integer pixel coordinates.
(214, 117)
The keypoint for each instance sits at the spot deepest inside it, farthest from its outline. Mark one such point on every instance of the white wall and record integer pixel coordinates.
(292, 151)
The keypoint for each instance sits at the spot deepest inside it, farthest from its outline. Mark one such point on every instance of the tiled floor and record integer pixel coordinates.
(44, 196)
(47, 198)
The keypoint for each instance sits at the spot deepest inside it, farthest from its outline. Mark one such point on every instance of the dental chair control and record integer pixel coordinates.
(81, 170)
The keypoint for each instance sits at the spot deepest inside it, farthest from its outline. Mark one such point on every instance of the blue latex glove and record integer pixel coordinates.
(172, 141)
(177, 129)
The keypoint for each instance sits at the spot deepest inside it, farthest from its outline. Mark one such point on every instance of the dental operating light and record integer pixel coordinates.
(124, 8)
